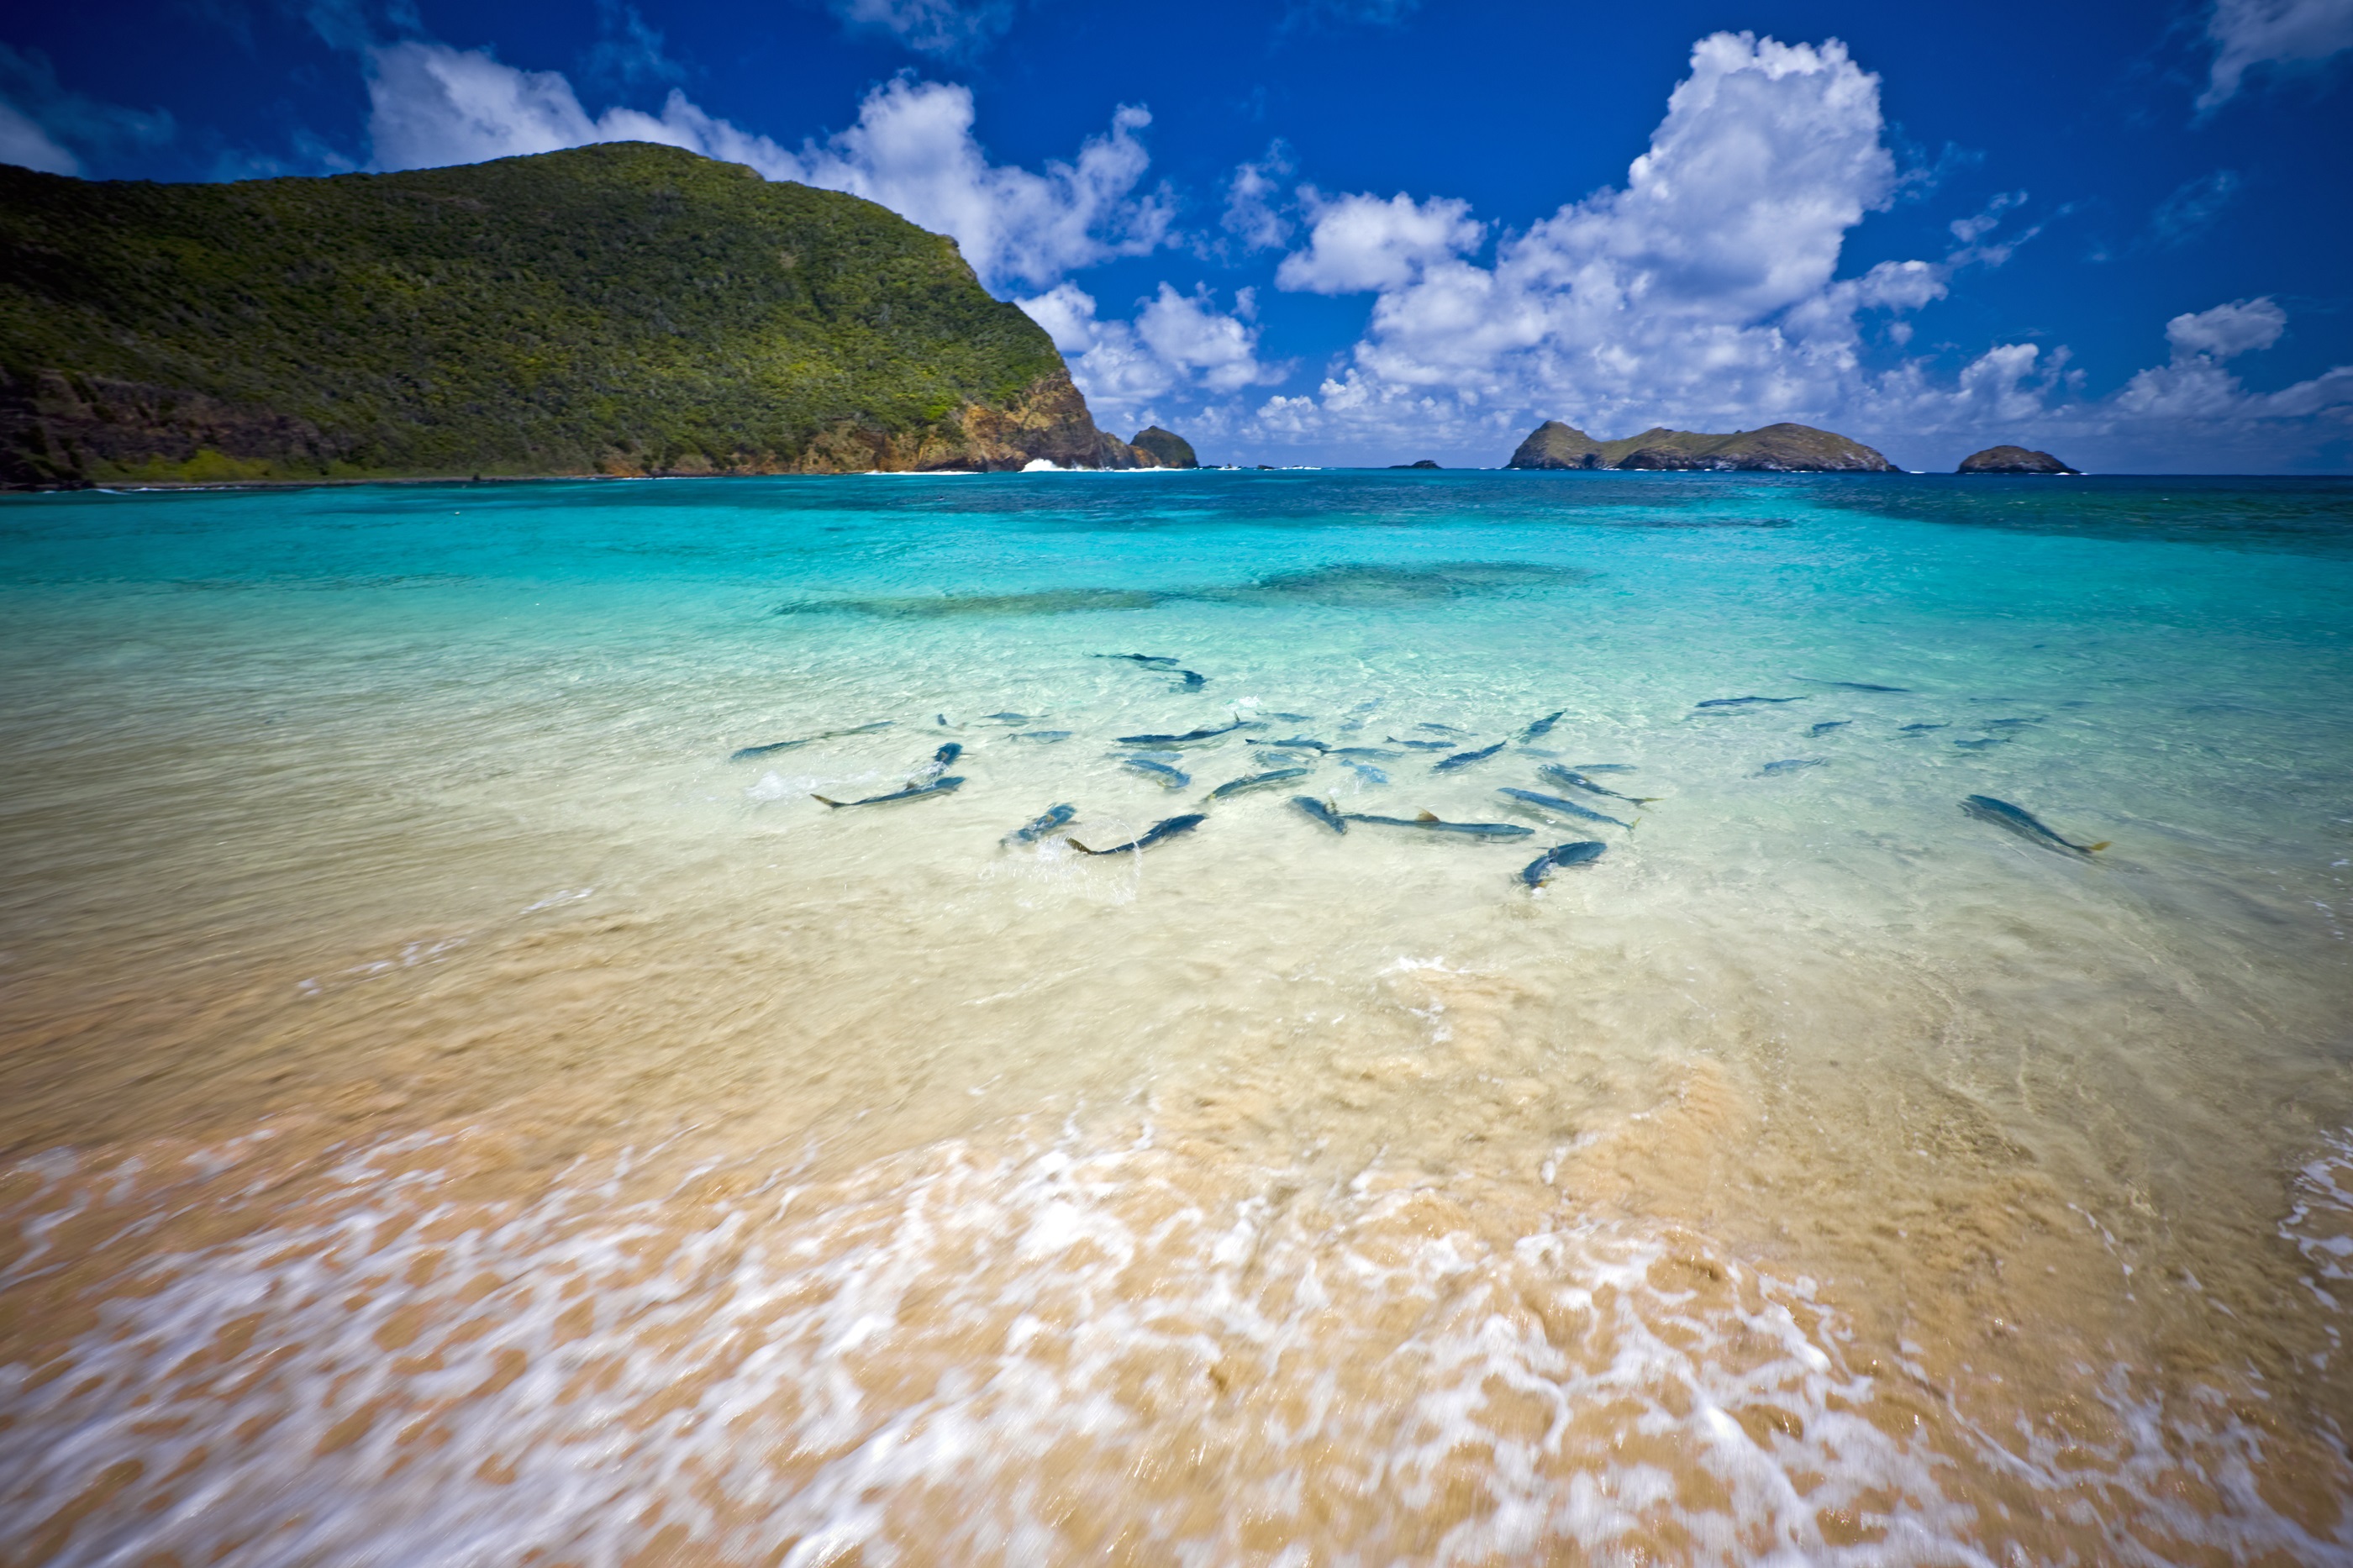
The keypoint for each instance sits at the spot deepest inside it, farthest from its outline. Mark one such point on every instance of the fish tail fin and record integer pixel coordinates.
(835, 804)
(1633, 825)
(1648, 799)
(2096, 848)
(1079, 846)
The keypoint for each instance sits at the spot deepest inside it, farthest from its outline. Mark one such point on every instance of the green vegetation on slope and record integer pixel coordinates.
(624, 308)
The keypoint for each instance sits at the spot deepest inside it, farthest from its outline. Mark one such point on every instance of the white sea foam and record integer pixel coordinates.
(958, 1356)
(2320, 1223)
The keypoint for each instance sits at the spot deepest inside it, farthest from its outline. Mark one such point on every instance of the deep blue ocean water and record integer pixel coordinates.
(403, 818)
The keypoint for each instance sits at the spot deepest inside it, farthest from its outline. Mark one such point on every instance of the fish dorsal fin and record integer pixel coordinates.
(1425, 816)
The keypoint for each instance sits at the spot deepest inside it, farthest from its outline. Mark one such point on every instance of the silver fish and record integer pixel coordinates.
(1170, 778)
(775, 746)
(1580, 853)
(1256, 781)
(1565, 808)
(2023, 823)
(1571, 778)
(1429, 822)
(1321, 811)
(1051, 821)
(1188, 738)
(1168, 827)
(1464, 759)
(913, 791)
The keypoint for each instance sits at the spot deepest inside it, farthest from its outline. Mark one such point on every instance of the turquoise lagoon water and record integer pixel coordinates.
(455, 1109)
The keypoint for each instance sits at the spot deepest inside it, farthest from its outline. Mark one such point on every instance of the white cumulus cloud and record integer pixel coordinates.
(2251, 33)
(1178, 349)
(2195, 387)
(1360, 244)
(1706, 287)
(1253, 216)
(1704, 292)
(912, 149)
(2228, 331)
(430, 105)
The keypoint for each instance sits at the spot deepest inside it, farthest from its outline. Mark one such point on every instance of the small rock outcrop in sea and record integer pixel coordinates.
(1422, 463)
(2012, 460)
(1775, 449)
(1163, 448)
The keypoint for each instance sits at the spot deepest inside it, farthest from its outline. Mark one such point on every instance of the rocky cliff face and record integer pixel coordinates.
(61, 428)
(2012, 460)
(1047, 420)
(1774, 449)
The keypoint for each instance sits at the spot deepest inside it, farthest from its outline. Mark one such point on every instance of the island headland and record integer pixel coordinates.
(1167, 449)
(620, 309)
(2012, 460)
(1775, 449)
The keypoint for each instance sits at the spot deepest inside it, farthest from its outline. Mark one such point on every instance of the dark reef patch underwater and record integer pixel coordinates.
(1357, 586)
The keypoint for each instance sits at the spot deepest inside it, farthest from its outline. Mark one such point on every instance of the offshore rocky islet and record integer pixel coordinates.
(2012, 460)
(1783, 448)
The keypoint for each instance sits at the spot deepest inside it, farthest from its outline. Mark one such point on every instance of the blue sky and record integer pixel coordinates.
(1376, 230)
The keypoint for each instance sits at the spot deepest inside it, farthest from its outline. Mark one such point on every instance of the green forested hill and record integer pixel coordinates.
(624, 308)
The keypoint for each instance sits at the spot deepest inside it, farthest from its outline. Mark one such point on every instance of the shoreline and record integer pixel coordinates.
(146, 487)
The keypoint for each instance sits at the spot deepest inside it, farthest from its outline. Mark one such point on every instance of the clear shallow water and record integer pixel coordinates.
(453, 1110)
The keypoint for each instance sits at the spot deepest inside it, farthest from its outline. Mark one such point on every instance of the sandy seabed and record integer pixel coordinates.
(454, 1115)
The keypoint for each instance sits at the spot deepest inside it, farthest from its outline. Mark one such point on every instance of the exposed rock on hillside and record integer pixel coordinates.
(623, 309)
(1165, 448)
(2012, 460)
(1776, 448)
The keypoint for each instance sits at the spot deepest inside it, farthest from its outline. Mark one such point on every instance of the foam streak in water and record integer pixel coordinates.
(953, 1356)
